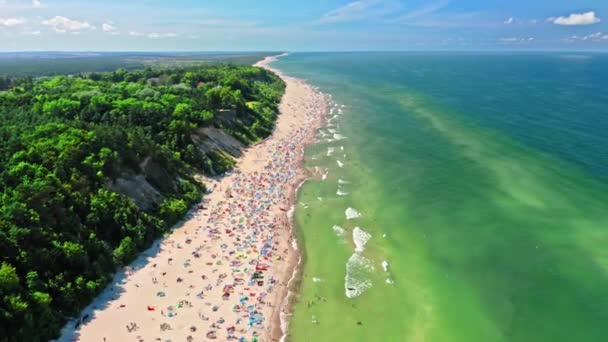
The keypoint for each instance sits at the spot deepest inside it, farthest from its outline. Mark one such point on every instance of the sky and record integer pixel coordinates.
(302, 25)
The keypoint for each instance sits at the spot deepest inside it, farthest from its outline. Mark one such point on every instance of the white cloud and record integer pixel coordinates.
(509, 21)
(593, 37)
(21, 5)
(12, 21)
(62, 25)
(153, 35)
(355, 10)
(38, 4)
(586, 18)
(516, 40)
(108, 27)
(432, 8)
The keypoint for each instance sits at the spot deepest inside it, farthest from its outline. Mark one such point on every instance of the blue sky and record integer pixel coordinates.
(311, 25)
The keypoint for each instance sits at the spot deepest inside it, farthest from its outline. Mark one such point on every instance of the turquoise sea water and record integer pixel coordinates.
(483, 182)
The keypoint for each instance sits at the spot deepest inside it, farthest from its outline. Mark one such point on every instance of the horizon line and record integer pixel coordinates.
(306, 51)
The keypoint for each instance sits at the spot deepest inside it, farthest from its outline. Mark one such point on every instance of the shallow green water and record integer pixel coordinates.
(483, 180)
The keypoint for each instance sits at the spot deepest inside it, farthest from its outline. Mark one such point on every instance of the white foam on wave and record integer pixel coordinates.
(390, 281)
(332, 130)
(358, 274)
(341, 193)
(352, 213)
(342, 181)
(340, 164)
(338, 230)
(360, 238)
(385, 265)
(338, 136)
(330, 150)
(316, 280)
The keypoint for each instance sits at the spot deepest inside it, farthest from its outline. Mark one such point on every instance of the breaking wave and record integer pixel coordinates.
(360, 238)
(385, 265)
(338, 230)
(352, 213)
(358, 273)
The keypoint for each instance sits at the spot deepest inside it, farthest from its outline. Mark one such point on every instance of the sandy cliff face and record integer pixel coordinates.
(139, 189)
(209, 138)
(148, 187)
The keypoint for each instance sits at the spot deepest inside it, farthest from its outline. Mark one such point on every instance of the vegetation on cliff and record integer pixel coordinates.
(66, 141)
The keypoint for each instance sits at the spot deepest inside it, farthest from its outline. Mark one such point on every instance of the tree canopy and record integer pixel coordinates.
(65, 139)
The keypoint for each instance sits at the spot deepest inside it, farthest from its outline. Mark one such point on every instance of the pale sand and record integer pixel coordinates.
(205, 266)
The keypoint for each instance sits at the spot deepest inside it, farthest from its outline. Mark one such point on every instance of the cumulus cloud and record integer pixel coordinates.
(509, 21)
(62, 25)
(12, 21)
(587, 18)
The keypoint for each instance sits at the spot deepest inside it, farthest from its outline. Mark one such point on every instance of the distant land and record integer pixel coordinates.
(32, 63)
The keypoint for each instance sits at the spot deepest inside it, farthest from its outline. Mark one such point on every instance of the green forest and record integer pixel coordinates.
(64, 140)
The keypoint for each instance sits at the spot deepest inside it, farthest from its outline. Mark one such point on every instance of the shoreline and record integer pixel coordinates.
(282, 314)
(243, 238)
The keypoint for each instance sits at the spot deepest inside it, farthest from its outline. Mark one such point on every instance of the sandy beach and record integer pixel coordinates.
(223, 273)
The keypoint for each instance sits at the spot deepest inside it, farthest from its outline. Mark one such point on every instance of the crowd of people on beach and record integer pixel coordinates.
(222, 274)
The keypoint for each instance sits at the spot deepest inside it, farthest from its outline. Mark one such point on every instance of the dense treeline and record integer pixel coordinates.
(63, 232)
(36, 64)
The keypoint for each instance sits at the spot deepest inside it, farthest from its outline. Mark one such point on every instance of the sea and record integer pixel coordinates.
(464, 197)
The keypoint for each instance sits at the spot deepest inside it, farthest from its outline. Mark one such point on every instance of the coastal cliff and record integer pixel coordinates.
(95, 167)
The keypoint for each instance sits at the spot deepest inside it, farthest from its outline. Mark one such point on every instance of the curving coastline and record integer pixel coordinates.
(203, 280)
(291, 277)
